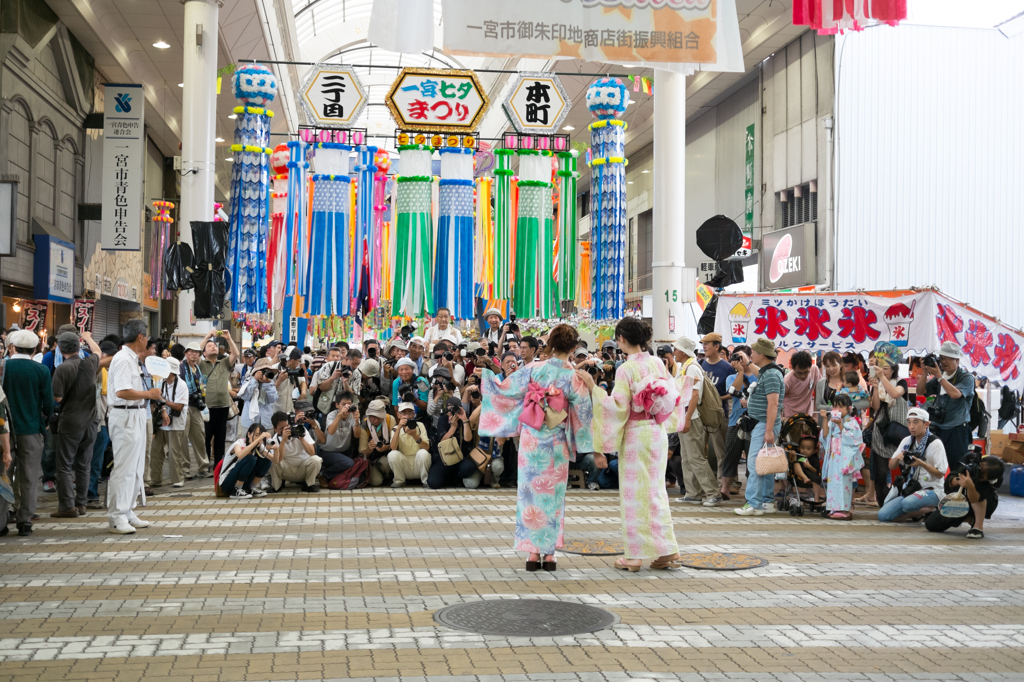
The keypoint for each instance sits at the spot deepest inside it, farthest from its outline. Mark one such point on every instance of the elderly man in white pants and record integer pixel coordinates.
(410, 448)
(127, 425)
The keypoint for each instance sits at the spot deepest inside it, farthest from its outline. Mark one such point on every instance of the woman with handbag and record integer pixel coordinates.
(547, 406)
(842, 445)
(452, 462)
(889, 407)
(634, 421)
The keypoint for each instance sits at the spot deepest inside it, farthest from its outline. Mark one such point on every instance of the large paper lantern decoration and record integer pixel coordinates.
(534, 293)
(453, 269)
(412, 294)
(329, 290)
(255, 86)
(606, 100)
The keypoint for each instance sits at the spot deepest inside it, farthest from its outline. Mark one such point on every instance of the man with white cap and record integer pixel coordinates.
(953, 390)
(30, 397)
(416, 351)
(495, 332)
(924, 455)
(128, 425)
(407, 384)
(700, 481)
(195, 425)
(410, 448)
(442, 329)
(171, 429)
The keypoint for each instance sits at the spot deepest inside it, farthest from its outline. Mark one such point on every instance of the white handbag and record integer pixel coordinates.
(770, 460)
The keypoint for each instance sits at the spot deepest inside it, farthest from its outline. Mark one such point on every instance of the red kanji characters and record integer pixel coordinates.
(949, 323)
(462, 110)
(978, 338)
(442, 103)
(769, 322)
(811, 323)
(857, 323)
(418, 109)
(1007, 356)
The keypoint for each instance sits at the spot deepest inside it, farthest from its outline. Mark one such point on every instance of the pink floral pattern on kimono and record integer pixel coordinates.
(544, 453)
(843, 445)
(642, 444)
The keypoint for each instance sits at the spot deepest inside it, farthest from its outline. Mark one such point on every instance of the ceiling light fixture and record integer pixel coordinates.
(221, 139)
(630, 182)
(181, 85)
(161, 45)
(229, 159)
(568, 128)
(232, 116)
(645, 171)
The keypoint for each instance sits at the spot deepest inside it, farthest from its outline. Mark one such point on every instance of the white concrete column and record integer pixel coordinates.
(669, 290)
(198, 130)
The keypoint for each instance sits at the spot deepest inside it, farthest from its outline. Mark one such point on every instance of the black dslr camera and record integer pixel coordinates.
(930, 360)
(298, 428)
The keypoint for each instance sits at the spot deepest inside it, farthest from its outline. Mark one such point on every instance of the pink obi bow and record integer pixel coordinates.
(655, 400)
(537, 399)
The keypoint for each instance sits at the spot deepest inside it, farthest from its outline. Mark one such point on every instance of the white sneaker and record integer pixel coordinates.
(257, 492)
(396, 484)
(240, 494)
(769, 508)
(122, 529)
(136, 522)
(179, 484)
(748, 510)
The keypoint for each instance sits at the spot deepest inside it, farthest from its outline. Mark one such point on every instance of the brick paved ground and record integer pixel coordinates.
(344, 586)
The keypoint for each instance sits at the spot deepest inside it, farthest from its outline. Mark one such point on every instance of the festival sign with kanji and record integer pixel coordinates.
(537, 103)
(33, 315)
(674, 34)
(439, 100)
(918, 322)
(82, 313)
(332, 96)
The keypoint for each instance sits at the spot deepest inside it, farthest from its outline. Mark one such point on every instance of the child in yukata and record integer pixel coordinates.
(842, 444)
(807, 467)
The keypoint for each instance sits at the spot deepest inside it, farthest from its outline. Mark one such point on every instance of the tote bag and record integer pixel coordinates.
(771, 459)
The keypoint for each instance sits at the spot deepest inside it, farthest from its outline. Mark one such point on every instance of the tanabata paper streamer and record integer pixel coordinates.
(255, 86)
(835, 16)
(363, 254)
(329, 284)
(453, 269)
(502, 244)
(606, 99)
(379, 264)
(413, 292)
(278, 248)
(161, 243)
(296, 219)
(567, 237)
(533, 289)
(484, 239)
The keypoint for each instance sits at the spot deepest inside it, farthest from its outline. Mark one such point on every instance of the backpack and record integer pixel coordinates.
(710, 409)
(978, 416)
(356, 476)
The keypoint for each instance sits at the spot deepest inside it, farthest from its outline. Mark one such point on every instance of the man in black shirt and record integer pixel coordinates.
(980, 483)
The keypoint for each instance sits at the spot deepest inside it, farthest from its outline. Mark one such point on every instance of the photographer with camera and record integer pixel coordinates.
(408, 388)
(445, 358)
(919, 467)
(410, 455)
(246, 462)
(290, 382)
(395, 350)
(453, 462)
(738, 386)
(441, 389)
(342, 427)
(417, 353)
(375, 441)
(332, 378)
(195, 425)
(977, 479)
(258, 395)
(171, 431)
(950, 391)
(216, 369)
(295, 460)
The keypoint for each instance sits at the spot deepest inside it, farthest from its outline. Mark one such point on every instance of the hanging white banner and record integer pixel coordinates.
(678, 35)
(124, 166)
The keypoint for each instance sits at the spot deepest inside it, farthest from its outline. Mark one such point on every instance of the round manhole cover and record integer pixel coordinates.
(715, 561)
(594, 547)
(525, 618)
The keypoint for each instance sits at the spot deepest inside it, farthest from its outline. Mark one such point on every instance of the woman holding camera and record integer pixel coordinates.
(246, 463)
(889, 412)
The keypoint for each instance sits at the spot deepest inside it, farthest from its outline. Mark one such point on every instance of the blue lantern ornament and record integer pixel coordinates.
(607, 99)
(255, 86)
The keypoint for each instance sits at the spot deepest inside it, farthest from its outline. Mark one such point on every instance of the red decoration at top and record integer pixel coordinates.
(835, 16)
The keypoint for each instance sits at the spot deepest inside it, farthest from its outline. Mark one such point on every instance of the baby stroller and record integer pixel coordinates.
(796, 495)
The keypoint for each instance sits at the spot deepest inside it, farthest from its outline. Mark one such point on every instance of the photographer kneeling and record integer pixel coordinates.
(453, 460)
(295, 458)
(980, 479)
(245, 464)
(921, 462)
(342, 427)
(409, 456)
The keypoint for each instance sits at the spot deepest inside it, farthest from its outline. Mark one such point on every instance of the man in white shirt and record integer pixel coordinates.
(925, 455)
(128, 429)
(258, 395)
(442, 330)
(701, 483)
(172, 429)
(409, 456)
(296, 461)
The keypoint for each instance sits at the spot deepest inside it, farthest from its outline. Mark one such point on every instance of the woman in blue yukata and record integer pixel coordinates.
(842, 445)
(547, 406)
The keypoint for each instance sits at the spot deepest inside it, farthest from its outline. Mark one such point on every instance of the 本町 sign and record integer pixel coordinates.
(537, 104)
(437, 100)
(124, 157)
(665, 32)
(332, 96)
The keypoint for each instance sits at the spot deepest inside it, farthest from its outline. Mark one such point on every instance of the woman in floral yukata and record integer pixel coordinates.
(544, 404)
(635, 420)
(842, 447)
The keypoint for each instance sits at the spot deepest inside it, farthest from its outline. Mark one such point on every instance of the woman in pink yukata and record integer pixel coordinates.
(842, 445)
(635, 420)
(549, 409)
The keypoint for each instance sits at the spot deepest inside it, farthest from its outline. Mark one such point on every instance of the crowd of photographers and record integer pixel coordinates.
(408, 410)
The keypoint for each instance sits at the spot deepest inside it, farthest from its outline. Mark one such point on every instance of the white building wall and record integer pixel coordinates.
(929, 149)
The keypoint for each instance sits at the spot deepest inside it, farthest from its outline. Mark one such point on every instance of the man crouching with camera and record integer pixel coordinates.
(920, 461)
(410, 448)
(976, 479)
(295, 448)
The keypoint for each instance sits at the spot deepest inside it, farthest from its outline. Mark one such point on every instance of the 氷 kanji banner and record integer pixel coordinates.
(918, 322)
(680, 35)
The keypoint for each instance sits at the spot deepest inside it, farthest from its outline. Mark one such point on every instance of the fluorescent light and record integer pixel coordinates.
(181, 85)
(221, 139)
(630, 182)
(232, 116)
(568, 128)
(229, 159)
(161, 45)
(645, 171)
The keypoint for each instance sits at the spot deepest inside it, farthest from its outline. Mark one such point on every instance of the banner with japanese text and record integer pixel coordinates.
(124, 163)
(33, 315)
(916, 322)
(680, 35)
(83, 311)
